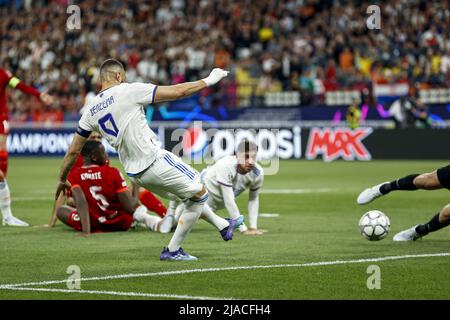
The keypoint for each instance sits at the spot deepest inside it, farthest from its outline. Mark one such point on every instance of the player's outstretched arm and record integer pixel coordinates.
(69, 159)
(82, 209)
(183, 90)
(16, 83)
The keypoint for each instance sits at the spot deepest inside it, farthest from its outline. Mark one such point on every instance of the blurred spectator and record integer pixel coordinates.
(311, 45)
(401, 111)
(353, 115)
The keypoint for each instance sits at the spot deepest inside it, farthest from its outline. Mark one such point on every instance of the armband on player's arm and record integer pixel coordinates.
(84, 133)
(17, 84)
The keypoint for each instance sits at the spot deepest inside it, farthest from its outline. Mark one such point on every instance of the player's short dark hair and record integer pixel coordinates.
(89, 147)
(108, 66)
(246, 146)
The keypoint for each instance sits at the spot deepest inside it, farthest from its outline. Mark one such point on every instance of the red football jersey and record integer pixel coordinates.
(100, 185)
(78, 163)
(5, 77)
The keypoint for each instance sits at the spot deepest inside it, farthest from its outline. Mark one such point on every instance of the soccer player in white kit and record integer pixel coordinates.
(229, 177)
(117, 113)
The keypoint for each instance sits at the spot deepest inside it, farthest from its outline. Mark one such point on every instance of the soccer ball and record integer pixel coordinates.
(374, 225)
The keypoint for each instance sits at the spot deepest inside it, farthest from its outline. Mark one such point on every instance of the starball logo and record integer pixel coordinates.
(338, 143)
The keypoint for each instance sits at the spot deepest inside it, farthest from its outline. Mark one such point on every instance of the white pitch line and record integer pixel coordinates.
(177, 272)
(120, 293)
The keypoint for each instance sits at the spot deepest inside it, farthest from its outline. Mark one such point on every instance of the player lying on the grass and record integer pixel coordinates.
(102, 199)
(7, 79)
(229, 177)
(117, 112)
(147, 198)
(437, 179)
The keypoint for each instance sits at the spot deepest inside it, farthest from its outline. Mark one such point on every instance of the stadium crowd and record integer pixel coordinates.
(310, 46)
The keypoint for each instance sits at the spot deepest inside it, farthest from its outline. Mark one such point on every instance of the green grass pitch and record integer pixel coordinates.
(317, 222)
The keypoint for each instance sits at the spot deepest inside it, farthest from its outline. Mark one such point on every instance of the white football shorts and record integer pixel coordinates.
(169, 177)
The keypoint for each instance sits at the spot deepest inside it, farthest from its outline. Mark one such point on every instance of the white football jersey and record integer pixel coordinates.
(224, 172)
(118, 114)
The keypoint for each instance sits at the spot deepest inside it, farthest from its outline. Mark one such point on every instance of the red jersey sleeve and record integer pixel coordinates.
(4, 77)
(74, 178)
(118, 181)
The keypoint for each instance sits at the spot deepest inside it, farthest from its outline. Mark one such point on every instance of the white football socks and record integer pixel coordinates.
(141, 215)
(166, 224)
(190, 215)
(218, 222)
(173, 204)
(178, 212)
(5, 200)
(207, 214)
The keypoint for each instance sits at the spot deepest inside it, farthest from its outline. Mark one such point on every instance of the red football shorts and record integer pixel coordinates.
(122, 222)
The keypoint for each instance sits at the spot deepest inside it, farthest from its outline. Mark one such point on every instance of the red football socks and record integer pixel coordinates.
(152, 203)
(4, 162)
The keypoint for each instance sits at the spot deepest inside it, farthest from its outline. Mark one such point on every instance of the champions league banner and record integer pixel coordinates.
(197, 144)
(42, 142)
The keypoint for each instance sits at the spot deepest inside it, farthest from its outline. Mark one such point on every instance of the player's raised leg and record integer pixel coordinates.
(437, 222)
(427, 181)
(226, 227)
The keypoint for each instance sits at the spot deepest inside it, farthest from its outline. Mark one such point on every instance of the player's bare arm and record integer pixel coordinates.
(58, 203)
(69, 159)
(183, 90)
(82, 209)
(129, 204)
(134, 190)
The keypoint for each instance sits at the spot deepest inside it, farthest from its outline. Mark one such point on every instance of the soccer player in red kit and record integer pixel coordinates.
(7, 79)
(67, 198)
(103, 201)
(146, 197)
